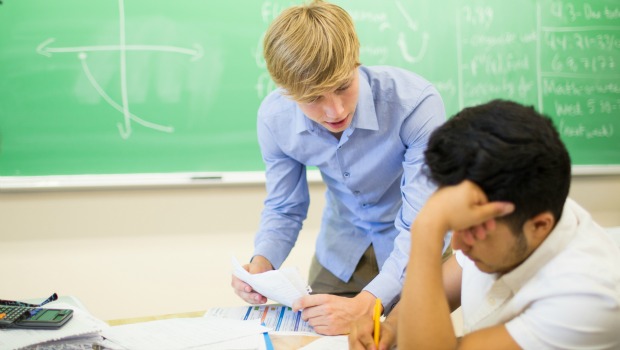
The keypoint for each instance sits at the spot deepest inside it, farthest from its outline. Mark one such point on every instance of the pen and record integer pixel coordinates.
(377, 318)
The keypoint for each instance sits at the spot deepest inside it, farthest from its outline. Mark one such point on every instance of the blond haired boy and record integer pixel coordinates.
(365, 129)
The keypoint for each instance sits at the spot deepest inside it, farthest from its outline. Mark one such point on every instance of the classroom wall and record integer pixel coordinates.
(137, 252)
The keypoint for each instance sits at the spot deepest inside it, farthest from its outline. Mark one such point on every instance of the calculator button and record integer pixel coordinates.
(2, 315)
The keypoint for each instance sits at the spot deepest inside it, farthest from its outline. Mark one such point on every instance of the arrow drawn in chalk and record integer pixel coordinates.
(124, 129)
(402, 44)
(111, 102)
(402, 41)
(44, 49)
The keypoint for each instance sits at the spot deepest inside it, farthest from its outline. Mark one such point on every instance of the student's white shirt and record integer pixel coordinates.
(566, 295)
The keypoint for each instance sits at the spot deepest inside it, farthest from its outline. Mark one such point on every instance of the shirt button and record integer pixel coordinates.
(356, 192)
(364, 205)
(346, 174)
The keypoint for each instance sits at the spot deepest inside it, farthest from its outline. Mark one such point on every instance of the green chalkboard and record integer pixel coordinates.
(126, 87)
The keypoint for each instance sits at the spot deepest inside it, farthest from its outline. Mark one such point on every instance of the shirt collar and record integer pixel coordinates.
(365, 116)
(302, 123)
(556, 242)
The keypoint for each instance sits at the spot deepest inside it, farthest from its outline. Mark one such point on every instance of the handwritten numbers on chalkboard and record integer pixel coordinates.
(478, 15)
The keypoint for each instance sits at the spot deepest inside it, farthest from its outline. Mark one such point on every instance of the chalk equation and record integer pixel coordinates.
(566, 60)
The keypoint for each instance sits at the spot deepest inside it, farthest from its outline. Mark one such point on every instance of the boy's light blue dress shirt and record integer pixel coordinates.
(375, 184)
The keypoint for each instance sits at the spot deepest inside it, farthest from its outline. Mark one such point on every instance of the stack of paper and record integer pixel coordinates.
(283, 286)
(80, 331)
(79, 343)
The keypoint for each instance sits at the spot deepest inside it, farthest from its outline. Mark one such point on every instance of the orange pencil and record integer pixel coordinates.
(377, 318)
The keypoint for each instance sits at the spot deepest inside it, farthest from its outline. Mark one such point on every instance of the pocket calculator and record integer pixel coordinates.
(33, 317)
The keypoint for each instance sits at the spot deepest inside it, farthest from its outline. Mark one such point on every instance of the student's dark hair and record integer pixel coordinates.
(511, 151)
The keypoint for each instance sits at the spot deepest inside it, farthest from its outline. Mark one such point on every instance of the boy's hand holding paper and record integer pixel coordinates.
(283, 286)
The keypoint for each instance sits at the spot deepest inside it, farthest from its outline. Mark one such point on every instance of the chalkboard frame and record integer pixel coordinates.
(201, 179)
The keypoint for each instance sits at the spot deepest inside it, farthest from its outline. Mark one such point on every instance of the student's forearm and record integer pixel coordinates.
(452, 277)
(424, 315)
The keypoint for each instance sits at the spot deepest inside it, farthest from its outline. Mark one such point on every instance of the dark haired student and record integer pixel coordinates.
(532, 269)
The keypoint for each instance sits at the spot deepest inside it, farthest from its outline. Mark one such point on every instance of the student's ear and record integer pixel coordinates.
(538, 228)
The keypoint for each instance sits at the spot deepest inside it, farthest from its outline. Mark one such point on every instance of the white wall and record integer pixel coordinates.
(138, 252)
(135, 252)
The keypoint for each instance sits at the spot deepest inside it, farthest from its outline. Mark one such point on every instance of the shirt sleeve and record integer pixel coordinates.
(415, 190)
(286, 204)
(460, 258)
(571, 321)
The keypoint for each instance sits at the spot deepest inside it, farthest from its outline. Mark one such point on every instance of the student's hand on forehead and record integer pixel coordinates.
(465, 207)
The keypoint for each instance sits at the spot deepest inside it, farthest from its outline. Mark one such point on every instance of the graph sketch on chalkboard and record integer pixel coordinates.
(124, 128)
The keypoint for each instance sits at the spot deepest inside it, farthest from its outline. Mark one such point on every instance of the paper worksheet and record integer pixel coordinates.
(283, 286)
(183, 333)
(250, 342)
(281, 319)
